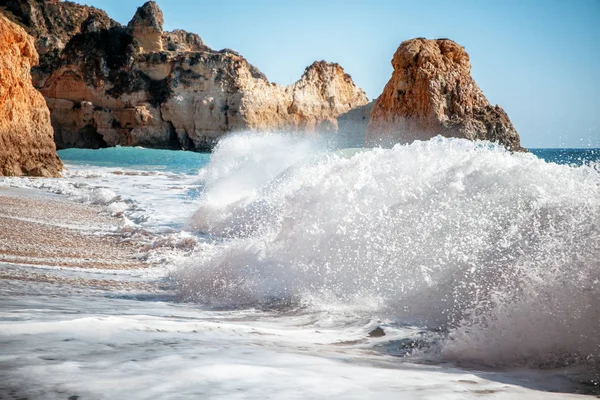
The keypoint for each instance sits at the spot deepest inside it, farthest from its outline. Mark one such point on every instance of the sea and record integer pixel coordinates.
(288, 268)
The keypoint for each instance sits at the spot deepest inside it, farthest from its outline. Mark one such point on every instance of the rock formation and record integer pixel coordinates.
(147, 27)
(139, 86)
(352, 126)
(431, 93)
(26, 145)
(180, 40)
(52, 23)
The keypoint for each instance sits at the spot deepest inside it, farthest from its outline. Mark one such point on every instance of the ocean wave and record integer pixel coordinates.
(500, 251)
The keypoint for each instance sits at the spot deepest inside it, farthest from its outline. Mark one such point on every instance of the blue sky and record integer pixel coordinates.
(539, 60)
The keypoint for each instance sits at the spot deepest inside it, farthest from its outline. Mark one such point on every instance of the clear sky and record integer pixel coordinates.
(539, 60)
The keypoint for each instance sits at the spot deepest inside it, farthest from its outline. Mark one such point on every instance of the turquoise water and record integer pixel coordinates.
(185, 162)
(568, 156)
(188, 162)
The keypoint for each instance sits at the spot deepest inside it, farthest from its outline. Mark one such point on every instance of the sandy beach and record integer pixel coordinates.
(41, 234)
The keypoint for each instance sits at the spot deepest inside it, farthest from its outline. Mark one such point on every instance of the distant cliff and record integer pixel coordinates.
(107, 84)
(26, 145)
(431, 92)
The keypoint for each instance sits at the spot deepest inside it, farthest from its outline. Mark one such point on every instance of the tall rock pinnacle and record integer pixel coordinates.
(431, 92)
(147, 27)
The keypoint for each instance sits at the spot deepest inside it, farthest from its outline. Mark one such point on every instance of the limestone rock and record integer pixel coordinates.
(113, 85)
(432, 92)
(147, 27)
(180, 40)
(323, 92)
(26, 145)
(96, 22)
(137, 85)
(53, 21)
(52, 24)
(218, 92)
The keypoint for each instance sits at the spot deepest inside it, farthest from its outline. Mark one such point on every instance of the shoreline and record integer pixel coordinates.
(90, 315)
(39, 229)
(49, 242)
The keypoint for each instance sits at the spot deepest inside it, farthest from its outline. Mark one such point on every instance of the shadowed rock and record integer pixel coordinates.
(352, 125)
(377, 332)
(52, 24)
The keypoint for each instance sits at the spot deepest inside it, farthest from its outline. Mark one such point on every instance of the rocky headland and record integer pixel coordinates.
(136, 85)
(26, 142)
(431, 92)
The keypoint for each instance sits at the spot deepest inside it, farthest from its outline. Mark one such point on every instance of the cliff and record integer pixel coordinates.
(26, 145)
(352, 125)
(139, 86)
(431, 92)
(52, 24)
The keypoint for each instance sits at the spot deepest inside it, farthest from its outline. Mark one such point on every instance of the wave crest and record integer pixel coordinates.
(500, 250)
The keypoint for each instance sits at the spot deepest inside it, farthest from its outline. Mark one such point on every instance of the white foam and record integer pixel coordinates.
(502, 249)
(241, 166)
(103, 196)
(498, 250)
(109, 348)
(152, 205)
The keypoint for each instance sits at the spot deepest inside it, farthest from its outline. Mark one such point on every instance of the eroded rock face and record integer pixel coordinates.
(147, 27)
(52, 24)
(139, 86)
(432, 93)
(323, 92)
(180, 40)
(26, 144)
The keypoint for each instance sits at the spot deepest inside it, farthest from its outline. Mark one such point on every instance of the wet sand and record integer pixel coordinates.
(47, 239)
(41, 229)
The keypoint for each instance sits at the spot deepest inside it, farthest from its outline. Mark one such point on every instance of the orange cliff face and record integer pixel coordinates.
(431, 92)
(135, 85)
(26, 136)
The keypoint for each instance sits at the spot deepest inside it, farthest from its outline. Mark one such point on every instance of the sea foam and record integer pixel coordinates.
(499, 251)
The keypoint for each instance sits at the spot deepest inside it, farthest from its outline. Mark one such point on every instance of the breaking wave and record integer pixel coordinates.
(499, 251)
